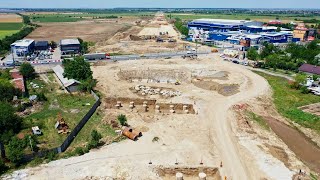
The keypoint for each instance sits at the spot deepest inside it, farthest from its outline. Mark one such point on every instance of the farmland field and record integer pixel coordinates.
(265, 18)
(74, 17)
(7, 29)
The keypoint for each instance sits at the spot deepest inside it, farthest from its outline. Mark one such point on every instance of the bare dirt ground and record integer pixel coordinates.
(6, 18)
(141, 38)
(91, 30)
(212, 135)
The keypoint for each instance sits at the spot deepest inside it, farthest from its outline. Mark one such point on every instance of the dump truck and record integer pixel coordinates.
(96, 56)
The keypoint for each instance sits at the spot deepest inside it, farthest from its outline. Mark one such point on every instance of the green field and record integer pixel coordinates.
(287, 101)
(7, 29)
(265, 18)
(81, 16)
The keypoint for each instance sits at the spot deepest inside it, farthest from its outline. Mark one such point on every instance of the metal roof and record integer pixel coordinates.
(41, 43)
(220, 21)
(23, 43)
(58, 70)
(69, 41)
(309, 68)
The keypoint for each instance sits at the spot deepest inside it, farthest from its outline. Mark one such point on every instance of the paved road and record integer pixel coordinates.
(121, 57)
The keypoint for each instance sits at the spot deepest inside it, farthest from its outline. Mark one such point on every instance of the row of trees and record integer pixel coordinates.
(290, 58)
(10, 123)
(181, 27)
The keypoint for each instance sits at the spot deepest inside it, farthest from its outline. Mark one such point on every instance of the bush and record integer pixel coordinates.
(41, 97)
(95, 138)
(304, 90)
(79, 151)
(3, 167)
(122, 119)
(15, 150)
(50, 156)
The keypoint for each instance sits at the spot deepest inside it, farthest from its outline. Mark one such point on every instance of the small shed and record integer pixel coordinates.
(41, 45)
(70, 84)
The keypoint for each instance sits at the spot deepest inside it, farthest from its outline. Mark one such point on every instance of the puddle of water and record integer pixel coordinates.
(299, 143)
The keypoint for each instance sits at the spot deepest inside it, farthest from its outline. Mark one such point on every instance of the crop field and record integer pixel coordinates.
(75, 17)
(265, 18)
(7, 29)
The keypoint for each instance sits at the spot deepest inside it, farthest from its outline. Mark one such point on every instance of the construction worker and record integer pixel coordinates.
(221, 164)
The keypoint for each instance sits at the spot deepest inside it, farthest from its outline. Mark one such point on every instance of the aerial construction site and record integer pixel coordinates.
(194, 116)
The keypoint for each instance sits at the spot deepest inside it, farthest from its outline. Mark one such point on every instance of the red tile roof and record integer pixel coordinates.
(309, 68)
(18, 81)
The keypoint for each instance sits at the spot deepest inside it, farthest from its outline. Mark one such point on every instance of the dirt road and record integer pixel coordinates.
(206, 136)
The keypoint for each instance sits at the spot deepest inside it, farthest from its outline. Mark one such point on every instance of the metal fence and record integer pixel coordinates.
(64, 146)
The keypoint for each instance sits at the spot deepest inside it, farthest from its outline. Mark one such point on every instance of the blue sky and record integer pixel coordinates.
(160, 3)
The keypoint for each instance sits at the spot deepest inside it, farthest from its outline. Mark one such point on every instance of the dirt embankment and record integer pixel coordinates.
(299, 143)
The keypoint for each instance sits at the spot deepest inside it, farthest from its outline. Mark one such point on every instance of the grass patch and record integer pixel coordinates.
(258, 119)
(71, 107)
(288, 100)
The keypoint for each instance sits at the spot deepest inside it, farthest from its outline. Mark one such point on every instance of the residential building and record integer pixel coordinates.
(310, 69)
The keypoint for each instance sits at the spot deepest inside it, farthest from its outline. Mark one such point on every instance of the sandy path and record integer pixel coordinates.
(221, 118)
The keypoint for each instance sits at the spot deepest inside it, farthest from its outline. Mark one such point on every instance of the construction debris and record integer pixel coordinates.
(146, 90)
(131, 133)
(61, 125)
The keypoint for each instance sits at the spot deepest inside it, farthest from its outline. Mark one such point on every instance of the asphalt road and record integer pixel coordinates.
(120, 58)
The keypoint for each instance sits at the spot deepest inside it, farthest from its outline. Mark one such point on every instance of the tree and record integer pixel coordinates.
(9, 121)
(84, 46)
(7, 91)
(299, 79)
(95, 138)
(252, 53)
(15, 150)
(87, 85)
(122, 119)
(278, 29)
(27, 71)
(77, 69)
(53, 44)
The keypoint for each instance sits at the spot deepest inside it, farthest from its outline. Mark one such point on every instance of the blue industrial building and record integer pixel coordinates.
(236, 30)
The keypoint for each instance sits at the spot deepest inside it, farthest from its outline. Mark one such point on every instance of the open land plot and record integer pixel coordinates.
(174, 142)
(93, 31)
(141, 38)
